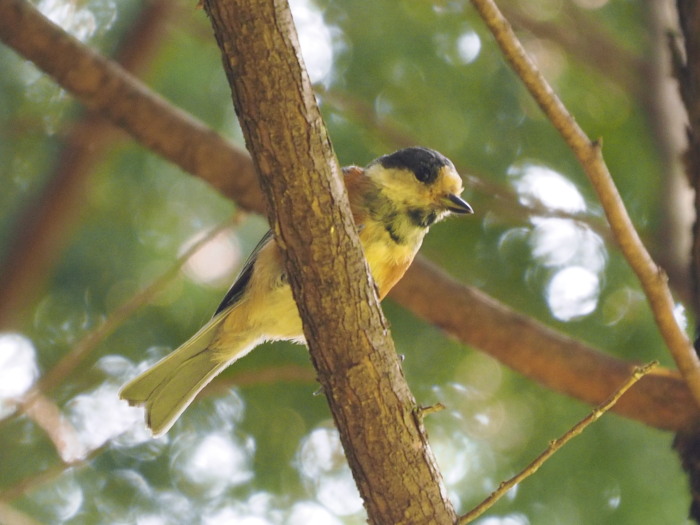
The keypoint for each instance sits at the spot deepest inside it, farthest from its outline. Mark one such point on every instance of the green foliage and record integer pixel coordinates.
(429, 73)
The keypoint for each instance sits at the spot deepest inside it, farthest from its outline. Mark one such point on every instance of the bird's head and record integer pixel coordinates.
(419, 182)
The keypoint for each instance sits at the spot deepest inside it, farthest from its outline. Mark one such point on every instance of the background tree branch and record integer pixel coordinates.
(43, 228)
(103, 86)
(554, 360)
(686, 64)
(687, 69)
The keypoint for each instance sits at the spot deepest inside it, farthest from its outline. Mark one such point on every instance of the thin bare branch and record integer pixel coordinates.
(557, 444)
(47, 416)
(589, 155)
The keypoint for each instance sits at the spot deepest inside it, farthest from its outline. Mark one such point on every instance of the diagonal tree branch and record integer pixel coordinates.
(661, 400)
(102, 85)
(556, 361)
(347, 334)
(589, 155)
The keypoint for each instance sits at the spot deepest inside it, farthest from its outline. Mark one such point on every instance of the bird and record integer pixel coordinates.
(394, 200)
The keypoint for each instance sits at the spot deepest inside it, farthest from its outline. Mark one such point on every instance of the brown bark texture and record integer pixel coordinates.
(347, 334)
(687, 70)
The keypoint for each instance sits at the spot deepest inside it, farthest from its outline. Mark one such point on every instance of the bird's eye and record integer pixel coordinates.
(426, 173)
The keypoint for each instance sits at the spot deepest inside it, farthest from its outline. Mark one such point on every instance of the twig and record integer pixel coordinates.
(557, 444)
(422, 411)
(588, 153)
(44, 412)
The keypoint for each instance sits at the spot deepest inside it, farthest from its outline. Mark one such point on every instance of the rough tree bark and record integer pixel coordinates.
(687, 70)
(347, 334)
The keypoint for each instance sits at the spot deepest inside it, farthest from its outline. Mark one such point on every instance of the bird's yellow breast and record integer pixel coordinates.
(387, 260)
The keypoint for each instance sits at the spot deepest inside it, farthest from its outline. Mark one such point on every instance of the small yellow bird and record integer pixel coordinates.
(394, 200)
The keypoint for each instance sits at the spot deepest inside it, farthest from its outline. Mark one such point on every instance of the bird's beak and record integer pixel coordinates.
(456, 204)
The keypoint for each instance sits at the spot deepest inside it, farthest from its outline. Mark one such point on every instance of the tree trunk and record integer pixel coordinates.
(347, 334)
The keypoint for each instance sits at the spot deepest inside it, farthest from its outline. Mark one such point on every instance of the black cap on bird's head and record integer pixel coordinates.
(436, 181)
(425, 163)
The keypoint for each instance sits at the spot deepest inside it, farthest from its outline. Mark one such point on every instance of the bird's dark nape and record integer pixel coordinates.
(425, 163)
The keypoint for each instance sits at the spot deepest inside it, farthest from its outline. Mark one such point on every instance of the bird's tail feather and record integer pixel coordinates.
(167, 388)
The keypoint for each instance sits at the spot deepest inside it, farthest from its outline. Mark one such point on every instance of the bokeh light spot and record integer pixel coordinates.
(18, 368)
(324, 467)
(315, 39)
(468, 47)
(211, 464)
(539, 185)
(100, 416)
(214, 262)
(573, 293)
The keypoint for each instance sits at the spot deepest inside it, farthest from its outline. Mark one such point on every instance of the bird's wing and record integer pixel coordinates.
(239, 285)
(356, 183)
